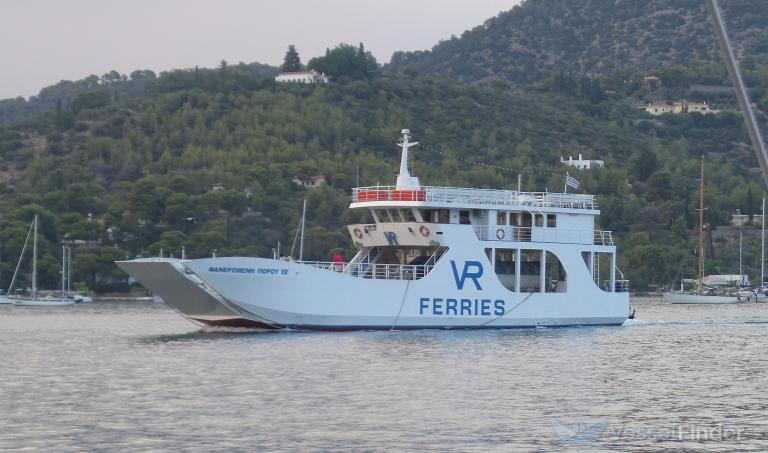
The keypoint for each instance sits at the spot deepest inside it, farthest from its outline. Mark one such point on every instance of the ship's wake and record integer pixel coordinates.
(672, 322)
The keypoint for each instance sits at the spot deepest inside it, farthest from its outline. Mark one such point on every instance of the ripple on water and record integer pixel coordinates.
(136, 377)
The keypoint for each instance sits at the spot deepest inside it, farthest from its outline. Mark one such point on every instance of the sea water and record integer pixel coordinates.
(134, 376)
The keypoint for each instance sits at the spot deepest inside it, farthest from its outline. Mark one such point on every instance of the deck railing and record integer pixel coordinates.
(374, 270)
(486, 197)
(529, 234)
(620, 286)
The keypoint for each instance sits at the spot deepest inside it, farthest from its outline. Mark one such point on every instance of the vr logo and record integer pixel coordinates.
(465, 273)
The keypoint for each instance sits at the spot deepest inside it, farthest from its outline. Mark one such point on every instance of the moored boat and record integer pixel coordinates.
(34, 298)
(432, 257)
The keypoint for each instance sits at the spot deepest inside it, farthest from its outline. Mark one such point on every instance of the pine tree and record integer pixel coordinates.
(292, 62)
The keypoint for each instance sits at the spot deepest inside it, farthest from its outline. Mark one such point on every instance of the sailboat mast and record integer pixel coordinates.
(69, 269)
(741, 272)
(34, 260)
(762, 248)
(303, 221)
(63, 270)
(701, 224)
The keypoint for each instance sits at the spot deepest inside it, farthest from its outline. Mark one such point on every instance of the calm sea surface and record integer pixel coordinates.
(137, 377)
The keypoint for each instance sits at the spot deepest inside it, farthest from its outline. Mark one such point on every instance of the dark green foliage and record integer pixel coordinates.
(538, 37)
(346, 61)
(206, 160)
(291, 62)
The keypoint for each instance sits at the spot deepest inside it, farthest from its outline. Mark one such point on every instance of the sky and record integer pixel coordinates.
(44, 41)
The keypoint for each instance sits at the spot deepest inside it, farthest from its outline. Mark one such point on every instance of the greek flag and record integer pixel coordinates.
(571, 181)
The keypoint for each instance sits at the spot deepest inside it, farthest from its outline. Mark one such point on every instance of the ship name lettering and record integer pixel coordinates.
(449, 306)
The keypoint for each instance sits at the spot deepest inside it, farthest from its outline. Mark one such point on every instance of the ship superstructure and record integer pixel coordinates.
(433, 257)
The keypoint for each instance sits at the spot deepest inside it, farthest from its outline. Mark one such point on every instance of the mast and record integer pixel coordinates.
(63, 270)
(303, 221)
(741, 272)
(701, 224)
(34, 260)
(404, 179)
(21, 258)
(762, 248)
(69, 269)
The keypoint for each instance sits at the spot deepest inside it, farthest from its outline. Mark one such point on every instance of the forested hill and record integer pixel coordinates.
(83, 93)
(209, 164)
(592, 37)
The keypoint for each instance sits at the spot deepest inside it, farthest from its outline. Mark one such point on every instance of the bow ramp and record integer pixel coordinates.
(188, 294)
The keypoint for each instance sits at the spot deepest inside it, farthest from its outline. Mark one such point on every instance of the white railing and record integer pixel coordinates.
(529, 234)
(490, 197)
(620, 286)
(374, 270)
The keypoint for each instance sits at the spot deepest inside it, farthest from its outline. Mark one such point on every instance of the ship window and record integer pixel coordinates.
(395, 214)
(504, 266)
(539, 220)
(530, 271)
(407, 215)
(556, 281)
(501, 218)
(514, 218)
(383, 216)
(428, 215)
(551, 221)
(464, 217)
(444, 216)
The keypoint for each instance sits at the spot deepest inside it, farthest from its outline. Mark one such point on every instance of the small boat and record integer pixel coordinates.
(34, 298)
(702, 293)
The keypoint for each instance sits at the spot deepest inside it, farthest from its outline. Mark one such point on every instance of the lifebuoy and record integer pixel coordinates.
(424, 231)
(500, 234)
(358, 233)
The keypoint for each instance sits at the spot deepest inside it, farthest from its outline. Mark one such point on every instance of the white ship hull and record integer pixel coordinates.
(257, 292)
(687, 298)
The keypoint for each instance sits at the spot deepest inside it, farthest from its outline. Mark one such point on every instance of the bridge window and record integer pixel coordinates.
(464, 217)
(539, 220)
(501, 218)
(407, 215)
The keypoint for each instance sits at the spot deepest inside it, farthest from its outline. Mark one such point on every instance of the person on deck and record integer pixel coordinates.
(338, 261)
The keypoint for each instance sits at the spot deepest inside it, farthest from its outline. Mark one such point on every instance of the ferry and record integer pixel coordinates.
(432, 257)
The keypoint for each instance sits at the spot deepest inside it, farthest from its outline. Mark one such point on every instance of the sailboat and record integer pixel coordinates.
(34, 298)
(759, 293)
(701, 294)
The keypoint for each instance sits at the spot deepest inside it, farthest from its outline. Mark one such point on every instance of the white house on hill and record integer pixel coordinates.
(302, 77)
(582, 164)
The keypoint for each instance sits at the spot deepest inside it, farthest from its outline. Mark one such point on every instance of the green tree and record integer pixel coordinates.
(346, 61)
(291, 62)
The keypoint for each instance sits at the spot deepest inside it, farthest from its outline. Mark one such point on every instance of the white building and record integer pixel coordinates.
(302, 77)
(679, 107)
(582, 164)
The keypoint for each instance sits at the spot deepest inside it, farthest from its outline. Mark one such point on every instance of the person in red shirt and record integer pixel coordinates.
(338, 261)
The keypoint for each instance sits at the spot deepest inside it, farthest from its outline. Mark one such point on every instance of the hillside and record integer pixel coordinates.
(210, 167)
(593, 37)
